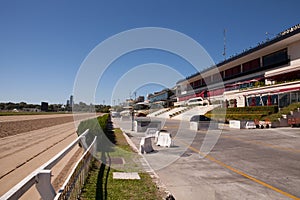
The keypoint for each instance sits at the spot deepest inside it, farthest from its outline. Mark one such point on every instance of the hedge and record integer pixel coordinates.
(242, 113)
(252, 109)
(97, 127)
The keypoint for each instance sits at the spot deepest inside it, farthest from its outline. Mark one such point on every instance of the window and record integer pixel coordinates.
(251, 65)
(233, 71)
(276, 59)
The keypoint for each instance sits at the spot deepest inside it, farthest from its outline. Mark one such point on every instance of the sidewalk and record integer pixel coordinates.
(133, 139)
(162, 156)
(166, 165)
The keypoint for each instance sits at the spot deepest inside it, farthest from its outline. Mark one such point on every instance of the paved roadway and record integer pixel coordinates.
(244, 164)
(21, 154)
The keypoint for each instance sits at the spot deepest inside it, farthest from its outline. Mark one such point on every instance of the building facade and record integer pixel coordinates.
(268, 74)
(162, 98)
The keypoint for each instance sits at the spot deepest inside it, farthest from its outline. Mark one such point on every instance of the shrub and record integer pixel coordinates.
(97, 127)
(242, 113)
(284, 111)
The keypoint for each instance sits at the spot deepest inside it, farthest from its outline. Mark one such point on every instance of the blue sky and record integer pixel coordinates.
(44, 43)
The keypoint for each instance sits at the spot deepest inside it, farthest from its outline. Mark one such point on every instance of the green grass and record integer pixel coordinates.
(97, 127)
(101, 185)
(121, 141)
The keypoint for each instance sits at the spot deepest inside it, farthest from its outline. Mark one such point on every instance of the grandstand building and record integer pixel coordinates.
(268, 74)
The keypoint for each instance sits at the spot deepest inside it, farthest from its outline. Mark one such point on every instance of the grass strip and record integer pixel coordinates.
(101, 185)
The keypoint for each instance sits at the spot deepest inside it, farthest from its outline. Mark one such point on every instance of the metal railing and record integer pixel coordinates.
(41, 177)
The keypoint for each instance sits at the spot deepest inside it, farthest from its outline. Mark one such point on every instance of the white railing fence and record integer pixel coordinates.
(41, 177)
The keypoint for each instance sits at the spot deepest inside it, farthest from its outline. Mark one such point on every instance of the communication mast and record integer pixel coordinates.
(224, 50)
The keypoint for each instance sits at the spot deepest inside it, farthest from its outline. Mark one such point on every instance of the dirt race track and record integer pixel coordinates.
(28, 143)
(12, 125)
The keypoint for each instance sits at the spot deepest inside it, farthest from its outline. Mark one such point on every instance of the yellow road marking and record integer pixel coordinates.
(240, 172)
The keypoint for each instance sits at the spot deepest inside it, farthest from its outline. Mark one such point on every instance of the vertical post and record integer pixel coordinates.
(83, 142)
(132, 119)
(44, 186)
(224, 51)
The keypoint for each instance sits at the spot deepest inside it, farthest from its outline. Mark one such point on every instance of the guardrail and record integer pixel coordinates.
(71, 189)
(41, 177)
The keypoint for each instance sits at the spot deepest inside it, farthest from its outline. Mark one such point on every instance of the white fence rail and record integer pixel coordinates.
(41, 177)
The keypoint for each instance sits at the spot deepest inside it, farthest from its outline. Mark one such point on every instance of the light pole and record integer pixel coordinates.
(132, 119)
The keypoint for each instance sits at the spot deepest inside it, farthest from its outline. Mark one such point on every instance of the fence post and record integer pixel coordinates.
(44, 186)
(83, 142)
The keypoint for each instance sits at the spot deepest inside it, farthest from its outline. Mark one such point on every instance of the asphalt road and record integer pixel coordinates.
(244, 164)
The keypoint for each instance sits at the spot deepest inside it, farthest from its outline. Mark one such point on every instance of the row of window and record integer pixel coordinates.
(275, 59)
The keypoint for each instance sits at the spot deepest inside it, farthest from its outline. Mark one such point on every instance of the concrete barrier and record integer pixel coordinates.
(164, 139)
(141, 124)
(195, 126)
(146, 145)
(237, 124)
(234, 124)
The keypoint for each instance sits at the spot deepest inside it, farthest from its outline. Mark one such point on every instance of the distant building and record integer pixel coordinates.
(71, 101)
(44, 106)
(162, 98)
(140, 99)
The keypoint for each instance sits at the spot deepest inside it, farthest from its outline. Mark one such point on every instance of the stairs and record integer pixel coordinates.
(196, 110)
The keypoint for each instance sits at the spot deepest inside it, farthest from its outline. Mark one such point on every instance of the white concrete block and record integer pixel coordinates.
(124, 175)
(146, 145)
(164, 140)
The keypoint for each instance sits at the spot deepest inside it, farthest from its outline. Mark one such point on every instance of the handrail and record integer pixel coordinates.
(61, 190)
(18, 190)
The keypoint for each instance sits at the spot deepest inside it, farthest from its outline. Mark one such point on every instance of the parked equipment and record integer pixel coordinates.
(262, 124)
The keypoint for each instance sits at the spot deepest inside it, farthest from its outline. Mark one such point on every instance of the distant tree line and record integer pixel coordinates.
(18, 106)
(83, 107)
(80, 107)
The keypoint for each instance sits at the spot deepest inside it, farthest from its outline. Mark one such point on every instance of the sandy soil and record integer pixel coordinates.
(13, 118)
(27, 144)
(12, 125)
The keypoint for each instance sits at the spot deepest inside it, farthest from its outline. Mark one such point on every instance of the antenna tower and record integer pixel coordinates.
(224, 50)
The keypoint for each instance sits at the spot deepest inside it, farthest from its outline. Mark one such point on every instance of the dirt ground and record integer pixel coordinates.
(28, 142)
(12, 125)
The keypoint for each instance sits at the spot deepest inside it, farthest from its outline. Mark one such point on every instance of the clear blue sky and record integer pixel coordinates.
(43, 43)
